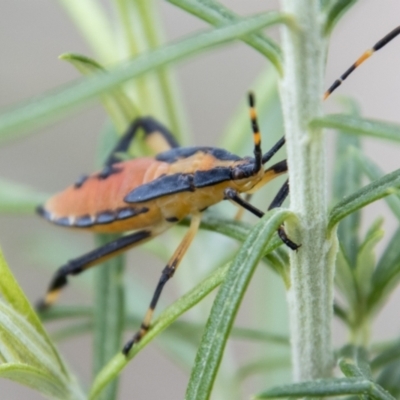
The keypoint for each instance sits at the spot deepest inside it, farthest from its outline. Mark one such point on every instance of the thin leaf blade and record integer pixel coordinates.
(226, 305)
(16, 198)
(119, 106)
(347, 178)
(328, 387)
(216, 14)
(376, 190)
(36, 379)
(387, 273)
(374, 172)
(359, 126)
(337, 9)
(58, 103)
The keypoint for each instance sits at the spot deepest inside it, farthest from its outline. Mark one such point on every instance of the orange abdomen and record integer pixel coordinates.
(98, 204)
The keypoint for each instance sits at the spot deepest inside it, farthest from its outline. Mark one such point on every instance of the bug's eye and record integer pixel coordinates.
(237, 173)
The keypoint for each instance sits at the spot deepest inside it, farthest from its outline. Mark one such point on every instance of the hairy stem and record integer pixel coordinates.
(310, 296)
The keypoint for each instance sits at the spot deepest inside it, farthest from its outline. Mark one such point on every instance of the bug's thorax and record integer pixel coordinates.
(200, 161)
(244, 178)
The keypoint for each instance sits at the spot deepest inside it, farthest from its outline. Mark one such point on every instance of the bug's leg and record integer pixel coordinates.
(157, 136)
(232, 194)
(277, 202)
(280, 196)
(270, 153)
(80, 264)
(269, 174)
(367, 54)
(166, 274)
(240, 211)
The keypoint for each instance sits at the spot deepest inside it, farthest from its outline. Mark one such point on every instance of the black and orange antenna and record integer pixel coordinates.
(367, 54)
(259, 157)
(256, 133)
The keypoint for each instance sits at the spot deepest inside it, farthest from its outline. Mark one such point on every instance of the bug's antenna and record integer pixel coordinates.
(256, 134)
(367, 54)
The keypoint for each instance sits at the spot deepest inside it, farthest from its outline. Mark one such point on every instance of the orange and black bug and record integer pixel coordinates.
(149, 195)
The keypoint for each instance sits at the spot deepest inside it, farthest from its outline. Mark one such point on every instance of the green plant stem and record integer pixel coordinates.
(310, 296)
(108, 315)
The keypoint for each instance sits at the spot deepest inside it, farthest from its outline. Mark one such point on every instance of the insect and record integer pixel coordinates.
(150, 195)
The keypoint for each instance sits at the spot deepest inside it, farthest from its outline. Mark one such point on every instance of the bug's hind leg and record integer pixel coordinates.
(166, 275)
(157, 136)
(80, 264)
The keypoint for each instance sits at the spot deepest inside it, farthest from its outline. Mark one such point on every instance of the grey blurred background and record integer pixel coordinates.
(34, 33)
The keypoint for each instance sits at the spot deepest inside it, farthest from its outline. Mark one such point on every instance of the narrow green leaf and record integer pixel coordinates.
(62, 312)
(389, 378)
(37, 111)
(156, 92)
(328, 387)
(281, 266)
(119, 106)
(345, 281)
(91, 19)
(347, 178)
(392, 353)
(366, 259)
(23, 339)
(109, 299)
(22, 345)
(341, 313)
(325, 3)
(374, 172)
(20, 342)
(216, 14)
(263, 366)
(354, 362)
(359, 126)
(13, 295)
(227, 303)
(19, 199)
(382, 187)
(255, 335)
(238, 230)
(387, 273)
(38, 380)
(337, 9)
(167, 317)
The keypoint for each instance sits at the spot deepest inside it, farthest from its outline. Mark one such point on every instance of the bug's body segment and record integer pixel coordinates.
(148, 193)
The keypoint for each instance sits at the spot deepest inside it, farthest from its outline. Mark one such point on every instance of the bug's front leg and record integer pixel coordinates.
(166, 275)
(80, 264)
(277, 202)
(232, 194)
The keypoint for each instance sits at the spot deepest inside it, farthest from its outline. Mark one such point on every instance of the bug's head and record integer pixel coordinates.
(250, 175)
